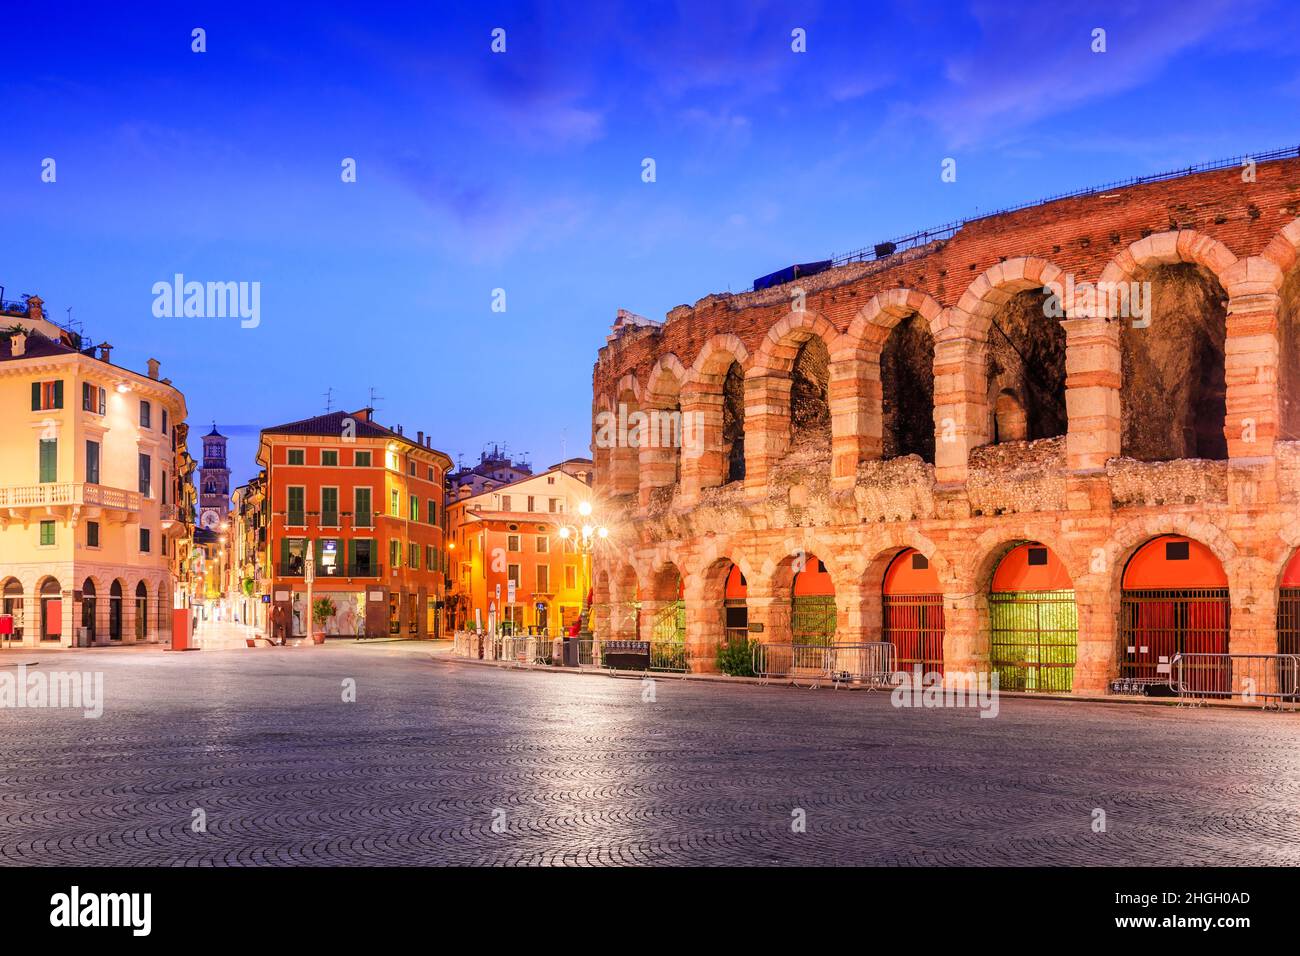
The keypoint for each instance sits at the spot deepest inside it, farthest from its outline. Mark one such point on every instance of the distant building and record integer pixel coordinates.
(248, 542)
(512, 535)
(94, 516)
(495, 468)
(368, 501)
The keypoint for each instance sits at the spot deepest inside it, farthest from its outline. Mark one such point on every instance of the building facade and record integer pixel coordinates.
(512, 564)
(249, 597)
(1060, 443)
(367, 503)
(495, 467)
(92, 501)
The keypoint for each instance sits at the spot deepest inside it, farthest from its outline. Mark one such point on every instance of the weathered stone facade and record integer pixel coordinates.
(1090, 434)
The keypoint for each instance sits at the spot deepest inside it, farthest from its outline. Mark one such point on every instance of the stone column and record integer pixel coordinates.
(702, 466)
(961, 415)
(704, 624)
(966, 630)
(1092, 392)
(1251, 369)
(855, 398)
(767, 428)
(1096, 663)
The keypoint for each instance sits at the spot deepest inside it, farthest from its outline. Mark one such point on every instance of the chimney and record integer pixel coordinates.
(18, 344)
(105, 350)
(399, 429)
(419, 438)
(363, 415)
(34, 303)
(153, 369)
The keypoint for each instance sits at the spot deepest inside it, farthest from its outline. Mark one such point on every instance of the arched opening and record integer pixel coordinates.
(812, 602)
(51, 611)
(1288, 608)
(88, 607)
(733, 424)
(13, 608)
(1174, 393)
(1034, 622)
(735, 607)
(907, 390)
(912, 618)
(141, 611)
(810, 410)
(1288, 356)
(1174, 600)
(1026, 365)
(667, 607)
(115, 611)
(663, 434)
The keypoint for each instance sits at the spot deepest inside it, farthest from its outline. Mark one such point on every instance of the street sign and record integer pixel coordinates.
(498, 592)
(309, 571)
(510, 592)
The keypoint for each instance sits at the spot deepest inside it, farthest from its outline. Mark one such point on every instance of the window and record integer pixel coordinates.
(570, 577)
(1037, 557)
(550, 479)
(414, 514)
(93, 398)
(431, 478)
(47, 533)
(329, 507)
(410, 468)
(297, 506)
(394, 503)
(146, 414)
(47, 395)
(146, 472)
(361, 513)
(512, 543)
(413, 556)
(1178, 551)
(430, 558)
(543, 544)
(553, 504)
(144, 540)
(361, 459)
(433, 511)
(512, 574)
(544, 578)
(329, 457)
(394, 553)
(530, 502)
(297, 456)
(92, 534)
(92, 462)
(505, 502)
(570, 545)
(164, 429)
(362, 564)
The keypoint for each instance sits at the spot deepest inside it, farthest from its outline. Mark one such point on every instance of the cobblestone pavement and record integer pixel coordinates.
(577, 769)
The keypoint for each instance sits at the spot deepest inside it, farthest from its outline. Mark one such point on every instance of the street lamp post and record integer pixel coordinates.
(584, 537)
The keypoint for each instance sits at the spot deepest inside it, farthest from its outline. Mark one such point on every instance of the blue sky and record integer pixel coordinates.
(522, 171)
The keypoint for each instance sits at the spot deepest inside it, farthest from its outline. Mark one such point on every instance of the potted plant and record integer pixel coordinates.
(322, 609)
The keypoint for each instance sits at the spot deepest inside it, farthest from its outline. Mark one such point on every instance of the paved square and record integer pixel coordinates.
(578, 770)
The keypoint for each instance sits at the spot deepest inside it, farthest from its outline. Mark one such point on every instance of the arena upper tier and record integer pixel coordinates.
(957, 448)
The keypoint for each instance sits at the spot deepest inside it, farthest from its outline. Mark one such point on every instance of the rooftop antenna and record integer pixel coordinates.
(329, 399)
(374, 399)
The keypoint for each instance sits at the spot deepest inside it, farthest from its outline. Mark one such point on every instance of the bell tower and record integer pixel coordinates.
(214, 481)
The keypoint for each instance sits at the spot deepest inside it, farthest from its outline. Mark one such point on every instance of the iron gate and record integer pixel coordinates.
(1288, 621)
(913, 623)
(1034, 640)
(736, 620)
(1157, 624)
(812, 619)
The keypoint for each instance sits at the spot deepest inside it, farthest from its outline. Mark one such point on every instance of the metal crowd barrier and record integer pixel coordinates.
(872, 664)
(1270, 679)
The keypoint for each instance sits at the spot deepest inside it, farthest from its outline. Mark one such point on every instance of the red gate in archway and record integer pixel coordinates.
(912, 612)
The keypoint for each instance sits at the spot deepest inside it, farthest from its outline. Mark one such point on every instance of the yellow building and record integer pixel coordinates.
(89, 523)
(512, 563)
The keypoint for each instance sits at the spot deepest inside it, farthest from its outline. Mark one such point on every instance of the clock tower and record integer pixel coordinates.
(214, 481)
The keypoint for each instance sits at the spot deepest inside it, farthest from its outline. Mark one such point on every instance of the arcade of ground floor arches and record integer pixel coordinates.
(1020, 610)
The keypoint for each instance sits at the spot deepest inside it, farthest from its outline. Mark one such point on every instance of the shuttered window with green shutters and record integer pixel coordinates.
(49, 460)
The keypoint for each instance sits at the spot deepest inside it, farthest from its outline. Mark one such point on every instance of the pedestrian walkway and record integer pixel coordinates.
(223, 635)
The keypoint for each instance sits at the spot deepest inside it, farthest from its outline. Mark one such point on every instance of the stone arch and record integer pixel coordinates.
(48, 590)
(1283, 254)
(873, 560)
(15, 595)
(883, 376)
(787, 389)
(622, 437)
(714, 399)
(1014, 338)
(663, 434)
(623, 602)
(1174, 386)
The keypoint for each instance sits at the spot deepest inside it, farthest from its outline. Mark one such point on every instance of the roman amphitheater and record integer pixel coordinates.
(952, 446)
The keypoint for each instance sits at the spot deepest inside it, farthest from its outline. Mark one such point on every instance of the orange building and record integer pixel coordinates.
(366, 502)
(512, 564)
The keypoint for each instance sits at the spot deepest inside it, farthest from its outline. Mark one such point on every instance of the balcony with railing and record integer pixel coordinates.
(69, 494)
(357, 569)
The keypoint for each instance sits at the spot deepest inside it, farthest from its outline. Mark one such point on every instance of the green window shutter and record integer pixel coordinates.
(49, 459)
(284, 553)
(352, 555)
(36, 396)
(58, 394)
